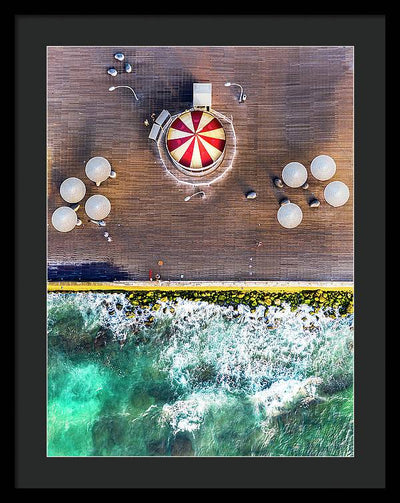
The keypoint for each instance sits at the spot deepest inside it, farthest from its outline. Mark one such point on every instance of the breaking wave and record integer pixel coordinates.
(198, 368)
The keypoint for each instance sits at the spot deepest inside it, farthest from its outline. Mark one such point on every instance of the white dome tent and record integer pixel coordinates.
(323, 167)
(97, 207)
(290, 215)
(72, 190)
(294, 174)
(64, 219)
(336, 193)
(98, 169)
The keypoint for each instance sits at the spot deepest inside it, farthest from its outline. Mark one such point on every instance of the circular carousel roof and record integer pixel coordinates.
(196, 140)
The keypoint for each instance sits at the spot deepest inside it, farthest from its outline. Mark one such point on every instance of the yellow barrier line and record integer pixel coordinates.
(117, 287)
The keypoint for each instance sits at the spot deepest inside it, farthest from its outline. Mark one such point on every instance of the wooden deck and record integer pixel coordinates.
(300, 104)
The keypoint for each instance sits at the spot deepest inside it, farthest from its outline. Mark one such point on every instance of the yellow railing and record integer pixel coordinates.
(65, 286)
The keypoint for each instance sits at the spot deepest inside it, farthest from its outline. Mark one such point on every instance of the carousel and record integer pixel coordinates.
(197, 146)
(196, 142)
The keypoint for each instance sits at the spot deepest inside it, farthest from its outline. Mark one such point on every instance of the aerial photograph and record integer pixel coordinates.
(200, 251)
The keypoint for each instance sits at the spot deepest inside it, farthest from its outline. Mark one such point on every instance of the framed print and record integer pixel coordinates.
(202, 299)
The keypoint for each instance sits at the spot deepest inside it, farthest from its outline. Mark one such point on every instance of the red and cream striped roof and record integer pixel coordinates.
(196, 139)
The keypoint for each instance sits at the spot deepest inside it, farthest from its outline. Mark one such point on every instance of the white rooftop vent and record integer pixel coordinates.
(202, 95)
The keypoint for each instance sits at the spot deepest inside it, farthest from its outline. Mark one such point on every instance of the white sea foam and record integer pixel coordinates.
(278, 358)
(188, 414)
(95, 309)
(281, 396)
(248, 353)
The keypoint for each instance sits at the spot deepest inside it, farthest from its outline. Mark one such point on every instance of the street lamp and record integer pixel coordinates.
(188, 198)
(112, 88)
(100, 223)
(242, 96)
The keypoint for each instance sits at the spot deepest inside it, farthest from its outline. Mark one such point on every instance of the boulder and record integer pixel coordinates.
(314, 203)
(251, 194)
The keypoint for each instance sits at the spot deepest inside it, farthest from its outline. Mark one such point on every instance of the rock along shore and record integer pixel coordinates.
(335, 302)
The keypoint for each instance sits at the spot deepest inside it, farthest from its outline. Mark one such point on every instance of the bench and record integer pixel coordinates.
(163, 117)
(155, 132)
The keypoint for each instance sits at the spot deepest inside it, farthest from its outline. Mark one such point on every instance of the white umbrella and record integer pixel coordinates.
(72, 190)
(64, 219)
(294, 174)
(97, 207)
(323, 167)
(336, 193)
(98, 169)
(290, 215)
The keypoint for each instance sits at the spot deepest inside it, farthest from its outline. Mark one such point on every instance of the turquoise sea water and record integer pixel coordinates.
(202, 380)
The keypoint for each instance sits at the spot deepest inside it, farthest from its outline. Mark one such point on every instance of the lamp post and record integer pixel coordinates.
(242, 96)
(188, 198)
(100, 223)
(112, 88)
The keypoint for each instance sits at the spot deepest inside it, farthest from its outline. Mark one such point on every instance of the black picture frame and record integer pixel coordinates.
(33, 33)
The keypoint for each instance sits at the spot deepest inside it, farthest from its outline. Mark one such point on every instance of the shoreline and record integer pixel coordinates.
(131, 286)
(337, 299)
